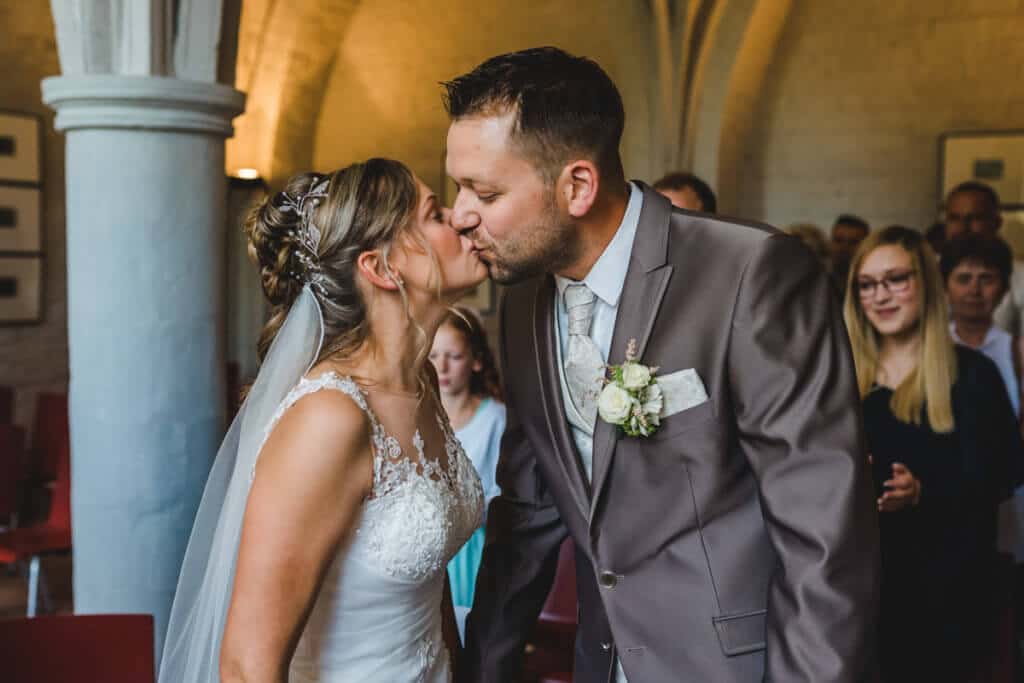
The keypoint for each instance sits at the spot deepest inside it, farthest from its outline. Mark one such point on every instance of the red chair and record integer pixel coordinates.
(112, 648)
(29, 543)
(50, 435)
(549, 656)
(6, 405)
(12, 450)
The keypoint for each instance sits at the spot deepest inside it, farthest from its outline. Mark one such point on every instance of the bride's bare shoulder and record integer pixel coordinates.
(324, 434)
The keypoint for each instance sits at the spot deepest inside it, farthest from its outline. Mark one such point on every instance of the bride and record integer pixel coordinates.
(340, 493)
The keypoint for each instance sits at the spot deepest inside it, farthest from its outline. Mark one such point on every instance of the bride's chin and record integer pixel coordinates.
(453, 293)
(477, 278)
(456, 294)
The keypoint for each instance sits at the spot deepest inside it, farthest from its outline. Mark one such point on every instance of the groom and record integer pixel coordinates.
(736, 543)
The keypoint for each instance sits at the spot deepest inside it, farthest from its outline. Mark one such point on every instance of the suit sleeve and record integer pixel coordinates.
(524, 532)
(798, 418)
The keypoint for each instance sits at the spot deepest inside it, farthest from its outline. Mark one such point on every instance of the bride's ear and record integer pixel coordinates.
(376, 270)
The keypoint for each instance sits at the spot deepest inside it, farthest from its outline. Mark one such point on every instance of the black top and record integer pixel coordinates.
(938, 557)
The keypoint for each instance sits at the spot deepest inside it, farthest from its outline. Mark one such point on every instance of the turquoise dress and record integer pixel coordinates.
(481, 439)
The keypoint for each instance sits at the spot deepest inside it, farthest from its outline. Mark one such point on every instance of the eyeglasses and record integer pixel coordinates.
(894, 283)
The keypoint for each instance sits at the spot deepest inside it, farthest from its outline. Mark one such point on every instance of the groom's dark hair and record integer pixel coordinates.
(566, 107)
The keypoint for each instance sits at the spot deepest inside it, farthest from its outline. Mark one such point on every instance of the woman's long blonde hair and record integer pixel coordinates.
(928, 386)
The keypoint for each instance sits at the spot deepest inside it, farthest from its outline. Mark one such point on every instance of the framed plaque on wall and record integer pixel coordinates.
(21, 218)
(21, 286)
(20, 159)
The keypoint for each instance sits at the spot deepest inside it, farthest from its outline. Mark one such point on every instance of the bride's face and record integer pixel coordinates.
(457, 267)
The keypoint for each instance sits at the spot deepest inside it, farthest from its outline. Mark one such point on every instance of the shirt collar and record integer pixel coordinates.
(990, 336)
(608, 274)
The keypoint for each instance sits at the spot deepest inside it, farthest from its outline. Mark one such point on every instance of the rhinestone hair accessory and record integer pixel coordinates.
(307, 236)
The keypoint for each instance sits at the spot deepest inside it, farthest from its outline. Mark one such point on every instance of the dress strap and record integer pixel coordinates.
(331, 381)
(345, 385)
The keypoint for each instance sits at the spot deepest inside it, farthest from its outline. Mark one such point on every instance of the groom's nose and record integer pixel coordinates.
(463, 220)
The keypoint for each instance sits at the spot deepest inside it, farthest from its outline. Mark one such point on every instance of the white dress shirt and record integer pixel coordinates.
(1009, 314)
(606, 280)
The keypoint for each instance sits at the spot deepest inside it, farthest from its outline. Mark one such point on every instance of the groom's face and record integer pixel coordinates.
(504, 205)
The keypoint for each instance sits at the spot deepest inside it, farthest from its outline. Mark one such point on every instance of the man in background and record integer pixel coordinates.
(847, 233)
(974, 207)
(687, 191)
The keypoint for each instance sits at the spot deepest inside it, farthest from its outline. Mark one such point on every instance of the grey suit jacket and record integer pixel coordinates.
(739, 542)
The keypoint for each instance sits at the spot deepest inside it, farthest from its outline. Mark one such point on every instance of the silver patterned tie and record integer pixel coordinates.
(584, 365)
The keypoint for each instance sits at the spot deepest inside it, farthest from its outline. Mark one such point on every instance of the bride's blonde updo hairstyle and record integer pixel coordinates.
(312, 233)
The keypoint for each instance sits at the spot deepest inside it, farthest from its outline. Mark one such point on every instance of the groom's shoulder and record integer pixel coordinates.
(713, 230)
(693, 232)
(740, 250)
(696, 239)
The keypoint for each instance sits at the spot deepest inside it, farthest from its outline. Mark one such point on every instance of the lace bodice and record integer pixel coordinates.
(420, 511)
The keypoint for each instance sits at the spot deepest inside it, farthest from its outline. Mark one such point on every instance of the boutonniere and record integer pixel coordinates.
(631, 398)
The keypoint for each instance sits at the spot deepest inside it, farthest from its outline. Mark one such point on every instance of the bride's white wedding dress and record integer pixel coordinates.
(378, 614)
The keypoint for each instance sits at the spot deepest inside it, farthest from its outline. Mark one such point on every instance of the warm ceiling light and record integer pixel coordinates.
(248, 174)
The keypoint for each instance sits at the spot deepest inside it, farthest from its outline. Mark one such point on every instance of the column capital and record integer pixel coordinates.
(142, 102)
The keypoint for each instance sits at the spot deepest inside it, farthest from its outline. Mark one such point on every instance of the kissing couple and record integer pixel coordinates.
(719, 504)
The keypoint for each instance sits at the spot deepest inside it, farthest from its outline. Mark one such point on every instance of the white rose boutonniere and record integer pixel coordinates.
(631, 399)
(614, 404)
(635, 376)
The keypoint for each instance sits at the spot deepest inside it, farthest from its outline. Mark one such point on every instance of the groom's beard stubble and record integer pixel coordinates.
(548, 245)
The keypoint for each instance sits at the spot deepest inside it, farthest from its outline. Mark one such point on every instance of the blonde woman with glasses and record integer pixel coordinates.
(944, 446)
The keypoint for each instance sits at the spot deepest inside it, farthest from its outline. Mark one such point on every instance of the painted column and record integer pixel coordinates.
(145, 227)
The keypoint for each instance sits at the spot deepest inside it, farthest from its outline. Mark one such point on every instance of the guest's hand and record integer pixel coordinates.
(902, 491)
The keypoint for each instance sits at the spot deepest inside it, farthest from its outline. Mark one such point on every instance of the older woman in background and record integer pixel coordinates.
(976, 271)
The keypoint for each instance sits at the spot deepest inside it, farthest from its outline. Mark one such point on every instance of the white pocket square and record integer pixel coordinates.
(682, 389)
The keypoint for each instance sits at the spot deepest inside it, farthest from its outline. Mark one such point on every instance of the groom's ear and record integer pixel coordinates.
(579, 183)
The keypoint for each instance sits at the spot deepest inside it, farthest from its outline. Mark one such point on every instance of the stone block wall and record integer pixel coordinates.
(383, 96)
(857, 96)
(35, 358)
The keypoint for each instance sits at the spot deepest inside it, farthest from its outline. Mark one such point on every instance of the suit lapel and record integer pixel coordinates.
(551, 393)
(646, 281)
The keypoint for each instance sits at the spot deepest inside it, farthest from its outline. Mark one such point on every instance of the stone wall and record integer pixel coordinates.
(383, 96)
(34, 358)
(857, 96)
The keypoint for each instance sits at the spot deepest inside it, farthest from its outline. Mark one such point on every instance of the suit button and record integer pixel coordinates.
(606, 646)
(608, 579)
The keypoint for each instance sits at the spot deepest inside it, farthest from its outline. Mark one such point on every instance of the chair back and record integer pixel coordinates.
(549, 652)
(6, 404)
(12, 448)
(113, 648)
(560, 606)
(49, 434)
(60, 503)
